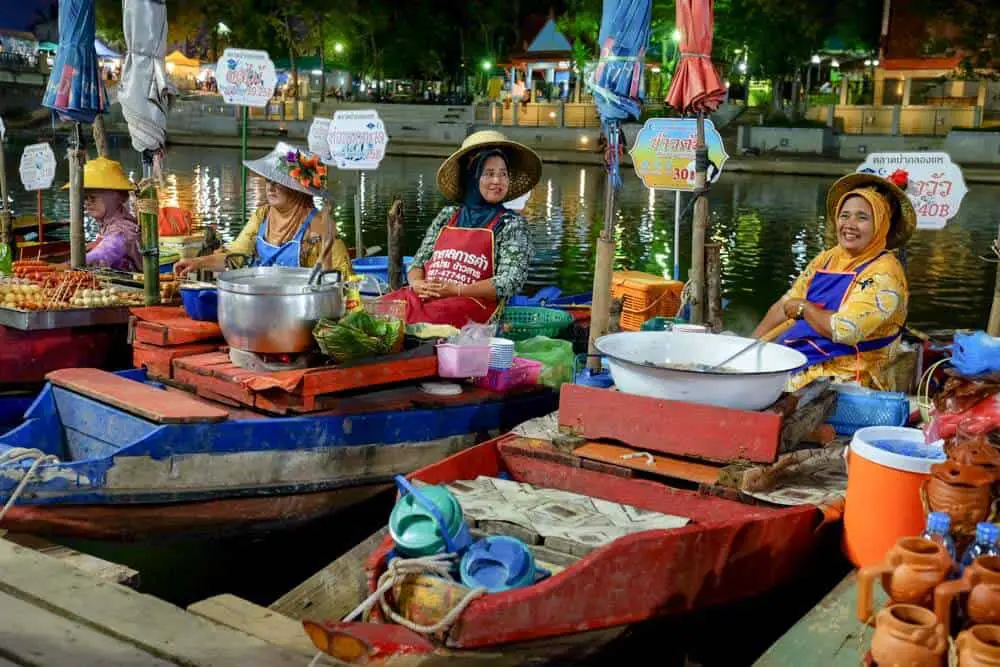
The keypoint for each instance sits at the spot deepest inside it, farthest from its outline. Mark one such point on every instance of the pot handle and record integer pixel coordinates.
(866, 583)
(318, 282)
(944, 593)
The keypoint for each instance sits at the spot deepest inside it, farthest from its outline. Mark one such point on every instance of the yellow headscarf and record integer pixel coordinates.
(838, 259)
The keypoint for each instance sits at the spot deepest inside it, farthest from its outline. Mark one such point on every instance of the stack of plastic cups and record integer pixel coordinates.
(501, 354)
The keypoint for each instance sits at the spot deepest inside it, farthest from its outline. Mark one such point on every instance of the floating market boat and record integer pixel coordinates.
(123, 458)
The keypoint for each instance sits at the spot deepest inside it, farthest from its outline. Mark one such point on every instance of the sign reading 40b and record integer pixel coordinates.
(934, 185)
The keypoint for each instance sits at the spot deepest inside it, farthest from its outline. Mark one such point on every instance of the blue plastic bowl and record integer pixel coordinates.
(201, 303)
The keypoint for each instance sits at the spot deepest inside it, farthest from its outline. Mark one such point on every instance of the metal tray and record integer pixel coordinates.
(35, 320)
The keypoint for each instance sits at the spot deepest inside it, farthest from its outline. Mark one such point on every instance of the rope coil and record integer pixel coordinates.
(15, 455)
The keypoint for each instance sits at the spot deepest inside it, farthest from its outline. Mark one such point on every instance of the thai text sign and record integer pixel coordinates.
(935, 184)
(357, 139)
(316, 138)
(246, 77)
(663, 154)
(38, 167)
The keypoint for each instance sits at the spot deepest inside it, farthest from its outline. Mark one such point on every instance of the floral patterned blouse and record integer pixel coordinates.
(874, 307)
(513, 249)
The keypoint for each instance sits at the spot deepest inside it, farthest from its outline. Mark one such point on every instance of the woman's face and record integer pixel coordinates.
(855, 225)
(94, 204)
(495, 181)
(277, 195)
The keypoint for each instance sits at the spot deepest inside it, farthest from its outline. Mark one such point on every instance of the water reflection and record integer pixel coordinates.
(769, 227)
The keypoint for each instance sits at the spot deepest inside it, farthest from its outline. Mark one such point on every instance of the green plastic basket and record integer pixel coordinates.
(523, 322)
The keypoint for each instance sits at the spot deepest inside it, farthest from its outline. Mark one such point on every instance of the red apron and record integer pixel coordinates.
(462, 256)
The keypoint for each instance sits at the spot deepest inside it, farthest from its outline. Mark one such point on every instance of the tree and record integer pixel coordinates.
(581, 24)
(967, 28)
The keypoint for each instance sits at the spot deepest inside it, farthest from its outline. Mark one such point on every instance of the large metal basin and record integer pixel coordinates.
(272, 310)
(752, 381)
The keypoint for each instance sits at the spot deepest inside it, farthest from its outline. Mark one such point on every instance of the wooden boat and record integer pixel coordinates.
(727, 551)
(133, 459)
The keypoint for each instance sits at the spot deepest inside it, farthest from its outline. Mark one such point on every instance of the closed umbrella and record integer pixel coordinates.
(144, 95)
(75, 91)
(696, 88)
(617, 87)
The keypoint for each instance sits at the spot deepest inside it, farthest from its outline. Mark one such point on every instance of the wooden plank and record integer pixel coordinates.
(670, 427)
(201, 364)
(829, 634)
(98, 567)
(158, 361)
(333, 592)
(177, 331)
(330, 380)
(257, 621)
(144, 621)
(654, 464)
(37, 636)
(212, 388)
(135, 397)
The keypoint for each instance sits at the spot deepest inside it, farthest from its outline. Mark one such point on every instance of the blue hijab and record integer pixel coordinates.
(476, 211)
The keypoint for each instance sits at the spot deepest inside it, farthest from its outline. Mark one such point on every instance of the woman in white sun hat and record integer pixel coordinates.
(474, 254)
(288, 230)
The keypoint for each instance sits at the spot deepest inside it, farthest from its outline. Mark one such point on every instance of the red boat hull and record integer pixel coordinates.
(730, 551)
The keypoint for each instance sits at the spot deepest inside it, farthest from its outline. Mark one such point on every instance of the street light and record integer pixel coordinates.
(834, 63)
(338, 47)
(676, 35)
(222, 28)
(487, 65)
(815, 60)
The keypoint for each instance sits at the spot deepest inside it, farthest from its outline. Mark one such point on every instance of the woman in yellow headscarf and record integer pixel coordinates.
(845, 312)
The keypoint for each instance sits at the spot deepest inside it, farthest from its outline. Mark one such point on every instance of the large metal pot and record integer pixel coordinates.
(272, 310)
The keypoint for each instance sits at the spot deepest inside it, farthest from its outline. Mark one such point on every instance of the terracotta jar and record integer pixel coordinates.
(963, 491)
(908, 636)
(979, 646)
(975, 452)
(981, 580)
(911, 570)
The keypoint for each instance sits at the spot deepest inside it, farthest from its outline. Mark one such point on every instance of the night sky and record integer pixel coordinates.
(20, 14)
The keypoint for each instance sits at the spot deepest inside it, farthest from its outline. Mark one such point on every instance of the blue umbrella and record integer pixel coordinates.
(75, 89)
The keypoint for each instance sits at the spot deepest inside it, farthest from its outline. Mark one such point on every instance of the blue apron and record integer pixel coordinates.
(283, 255)
(827, 290)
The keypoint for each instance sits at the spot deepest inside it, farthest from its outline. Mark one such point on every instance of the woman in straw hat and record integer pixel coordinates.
(106, 190)
(475, 254)
(288, 230)
(847, 309)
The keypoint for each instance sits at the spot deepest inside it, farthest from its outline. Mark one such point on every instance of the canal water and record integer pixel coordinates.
(769, 227)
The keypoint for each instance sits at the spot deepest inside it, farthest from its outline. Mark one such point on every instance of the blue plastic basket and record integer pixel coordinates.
(858, 407)
(378, 266)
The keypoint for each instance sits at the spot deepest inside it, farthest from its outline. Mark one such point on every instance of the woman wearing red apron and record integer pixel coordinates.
(847, 310)
(475, 255)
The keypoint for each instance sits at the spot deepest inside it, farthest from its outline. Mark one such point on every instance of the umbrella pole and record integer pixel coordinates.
(77, 243)
(604, 264)
(243, 158)
(148, 207)
(700, 226)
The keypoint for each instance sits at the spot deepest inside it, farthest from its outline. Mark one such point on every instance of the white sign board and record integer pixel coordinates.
(318, 132)
(519, 203)
(38, 167)
(664, 151)
(246, 77)
(934, 183)
(357, 139)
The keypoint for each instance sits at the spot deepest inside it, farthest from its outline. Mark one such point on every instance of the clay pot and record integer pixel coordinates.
(979, 646)
(981, 581)
(910, 636)
(913, 567)
(963, 491)
(974, 452)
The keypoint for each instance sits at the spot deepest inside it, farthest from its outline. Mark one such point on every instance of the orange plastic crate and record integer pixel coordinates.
(646, 296)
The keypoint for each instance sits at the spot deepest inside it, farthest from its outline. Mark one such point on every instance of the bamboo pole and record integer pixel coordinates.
(5, 217)
(394, 243)
(993, 328)
(148, 207)
(700, 226)
(359, 244)
(77, 242)
(713, 269)
(243, 157)
(100, 136)
(604, 263)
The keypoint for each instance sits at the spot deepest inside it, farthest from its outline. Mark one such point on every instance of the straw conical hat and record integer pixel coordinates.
(104, 174)
(904, 218)
(524, 165)
(278, 165)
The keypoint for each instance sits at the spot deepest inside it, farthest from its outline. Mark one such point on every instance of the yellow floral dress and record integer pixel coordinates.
(875, 306)
(246, 243)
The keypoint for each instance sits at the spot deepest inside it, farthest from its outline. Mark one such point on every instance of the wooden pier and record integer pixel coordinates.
(54, 613)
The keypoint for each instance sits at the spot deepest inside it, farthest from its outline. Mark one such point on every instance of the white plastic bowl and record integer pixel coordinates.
(753, 381)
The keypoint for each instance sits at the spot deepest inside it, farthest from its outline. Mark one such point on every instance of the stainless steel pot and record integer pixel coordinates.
(273, 310)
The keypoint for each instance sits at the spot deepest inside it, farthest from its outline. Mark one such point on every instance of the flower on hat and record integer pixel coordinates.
(306, 169)
(899, 178)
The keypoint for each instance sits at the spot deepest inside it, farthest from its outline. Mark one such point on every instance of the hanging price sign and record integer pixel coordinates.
(246, 77)
(357, 139)
(663, 154)
(38, 167)
(935, 184)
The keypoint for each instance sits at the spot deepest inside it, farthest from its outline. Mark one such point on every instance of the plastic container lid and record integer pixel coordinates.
(497, 563)
(897, 447)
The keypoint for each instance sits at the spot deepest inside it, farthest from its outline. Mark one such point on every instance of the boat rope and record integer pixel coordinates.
(16, 454)
(439, 565)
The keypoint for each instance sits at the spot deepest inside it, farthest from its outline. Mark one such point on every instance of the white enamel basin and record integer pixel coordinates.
(752, 381)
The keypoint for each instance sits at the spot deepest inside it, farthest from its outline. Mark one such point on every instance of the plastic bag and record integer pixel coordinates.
(984, 414)
(976, 353)
(556, 356)
(473, 334)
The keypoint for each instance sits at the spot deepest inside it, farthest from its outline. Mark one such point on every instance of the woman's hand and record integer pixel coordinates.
(427, 289)
(185, 265)
(794, 308)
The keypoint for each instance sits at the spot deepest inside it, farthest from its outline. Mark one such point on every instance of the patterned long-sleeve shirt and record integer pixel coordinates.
(513, 250)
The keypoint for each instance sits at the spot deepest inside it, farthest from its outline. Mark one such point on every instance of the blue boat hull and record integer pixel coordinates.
(114, 462)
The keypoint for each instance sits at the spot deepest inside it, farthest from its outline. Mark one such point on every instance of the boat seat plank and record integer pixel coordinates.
(37, 636)
(135, 397)
(664, 466)
(143, 621)
(829, 634)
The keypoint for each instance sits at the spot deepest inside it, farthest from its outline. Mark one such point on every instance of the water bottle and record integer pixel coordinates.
(985, 544)
(939, 530)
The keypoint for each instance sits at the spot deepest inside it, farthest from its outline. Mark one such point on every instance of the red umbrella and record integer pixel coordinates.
(696, 86)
